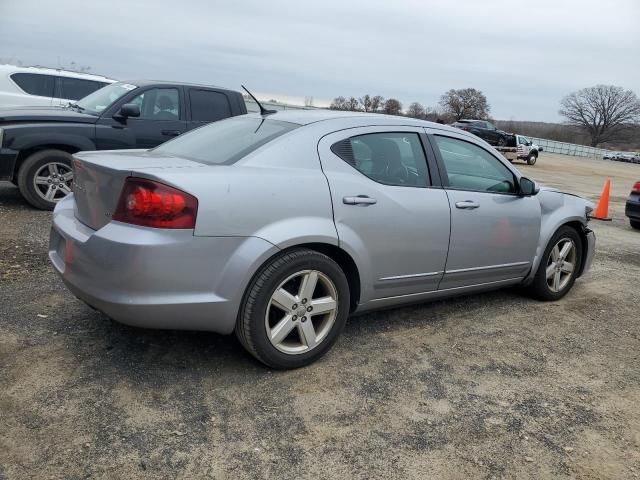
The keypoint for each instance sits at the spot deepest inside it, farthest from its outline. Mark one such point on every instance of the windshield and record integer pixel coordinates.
(226, 141)
(101, 99)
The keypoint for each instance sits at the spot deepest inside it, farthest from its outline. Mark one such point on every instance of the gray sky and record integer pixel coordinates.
(524, 55)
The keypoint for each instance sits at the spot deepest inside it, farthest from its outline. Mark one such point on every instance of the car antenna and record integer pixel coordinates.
(263, 111)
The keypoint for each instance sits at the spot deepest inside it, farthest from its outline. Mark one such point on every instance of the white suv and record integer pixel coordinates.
(36, 86)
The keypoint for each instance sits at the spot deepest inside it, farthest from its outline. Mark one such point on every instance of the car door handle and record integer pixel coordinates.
(467, 205)
(359, 200)
(171, 133)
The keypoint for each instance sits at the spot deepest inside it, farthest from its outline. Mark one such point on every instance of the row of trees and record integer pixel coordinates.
(598, 115)
(453, 105)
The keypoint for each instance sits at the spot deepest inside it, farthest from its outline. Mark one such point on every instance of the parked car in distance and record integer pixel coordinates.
(610, 156)
(39, 86)
(278, 227)
(485, 130)
(36, 144)
(632, 207)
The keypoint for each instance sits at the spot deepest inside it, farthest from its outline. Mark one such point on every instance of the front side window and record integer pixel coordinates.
(159, 104)
(35, 83)
(523, 141)
(392, 158)
(490, 126)
(208, 106)
(77, 88)
(227, 141)
(469, 167)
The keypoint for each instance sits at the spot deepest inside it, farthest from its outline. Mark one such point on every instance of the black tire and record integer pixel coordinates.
(635, 224)
(539, 288)
(251, 328)
(502, 141)
(28, 171)
(532, 159)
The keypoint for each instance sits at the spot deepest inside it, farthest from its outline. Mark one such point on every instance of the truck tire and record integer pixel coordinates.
(532, 158)
(502, 141)
(45, 178)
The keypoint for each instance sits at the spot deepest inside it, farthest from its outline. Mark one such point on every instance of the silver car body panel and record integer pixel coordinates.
(412, 245)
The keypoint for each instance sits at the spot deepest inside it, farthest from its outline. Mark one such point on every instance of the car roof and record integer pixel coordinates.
(352, 119)
(9, 69)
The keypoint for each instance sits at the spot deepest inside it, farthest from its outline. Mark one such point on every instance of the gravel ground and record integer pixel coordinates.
(485, 386)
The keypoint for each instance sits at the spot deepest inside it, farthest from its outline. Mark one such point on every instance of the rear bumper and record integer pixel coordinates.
(155, 278)
(632, 209)
(8, 159)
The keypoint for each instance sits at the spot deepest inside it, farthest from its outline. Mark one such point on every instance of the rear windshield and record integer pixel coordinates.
(227, 141)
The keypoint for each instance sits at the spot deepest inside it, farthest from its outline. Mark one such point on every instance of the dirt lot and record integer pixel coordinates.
(486, 386)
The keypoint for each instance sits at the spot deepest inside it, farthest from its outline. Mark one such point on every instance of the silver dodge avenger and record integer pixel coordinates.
(280, 226)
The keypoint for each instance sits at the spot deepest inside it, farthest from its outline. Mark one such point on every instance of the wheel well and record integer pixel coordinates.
(26, 153)
(580, 229)
(347, 264)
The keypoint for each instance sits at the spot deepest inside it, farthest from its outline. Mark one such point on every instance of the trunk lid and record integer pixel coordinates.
(100, 176)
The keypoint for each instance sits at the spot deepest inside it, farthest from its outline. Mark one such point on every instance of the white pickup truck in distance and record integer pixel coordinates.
(520, 147)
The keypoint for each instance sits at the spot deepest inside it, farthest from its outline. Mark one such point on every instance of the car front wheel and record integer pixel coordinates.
(559, 267)
(294, 309)
(502, 141)
(45, 178)
(635, 224)
(532, 159)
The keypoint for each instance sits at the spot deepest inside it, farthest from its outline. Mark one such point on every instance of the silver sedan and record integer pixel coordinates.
(278, 227)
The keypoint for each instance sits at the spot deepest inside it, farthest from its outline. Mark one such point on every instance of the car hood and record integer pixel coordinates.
(44, 114)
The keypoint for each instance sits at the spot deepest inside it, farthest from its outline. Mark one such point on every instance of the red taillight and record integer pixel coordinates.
(636, 187)
(152, 204)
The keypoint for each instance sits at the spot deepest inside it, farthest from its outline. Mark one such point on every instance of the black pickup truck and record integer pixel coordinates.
(36, 143)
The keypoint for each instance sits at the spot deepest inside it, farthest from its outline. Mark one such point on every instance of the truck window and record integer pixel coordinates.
(77, 88)
(159, 104)
(35, 83)
(208, 106)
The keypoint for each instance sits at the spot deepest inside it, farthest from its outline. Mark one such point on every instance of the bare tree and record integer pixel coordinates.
(376, 103)
(392, 107)
(605, 112)
(416, 110)
(465, 103)
(353, 104)
(339, 103)
(366, 101)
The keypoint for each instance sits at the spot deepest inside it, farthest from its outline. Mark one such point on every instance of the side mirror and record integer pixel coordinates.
(528, 187)
(129, 110)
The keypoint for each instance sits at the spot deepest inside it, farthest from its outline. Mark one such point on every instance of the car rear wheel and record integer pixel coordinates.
(294, 309)
(532, 159)
(559, 267)
(635, 224)
(45, 178)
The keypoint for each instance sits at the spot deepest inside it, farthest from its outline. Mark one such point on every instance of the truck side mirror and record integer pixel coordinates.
(129, 110)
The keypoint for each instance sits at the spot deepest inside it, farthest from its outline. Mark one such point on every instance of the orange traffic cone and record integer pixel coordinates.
(602, 210)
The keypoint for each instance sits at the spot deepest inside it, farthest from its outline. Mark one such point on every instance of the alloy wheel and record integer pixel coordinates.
(301, 312)
(561, 264)
(53, 181)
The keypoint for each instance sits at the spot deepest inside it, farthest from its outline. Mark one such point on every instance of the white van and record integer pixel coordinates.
(38, 86)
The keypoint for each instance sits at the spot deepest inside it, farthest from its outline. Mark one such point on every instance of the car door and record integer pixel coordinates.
(389, 212)
(162, 117)
(494, 230)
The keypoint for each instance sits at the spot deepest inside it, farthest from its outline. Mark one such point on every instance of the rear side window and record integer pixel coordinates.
(469, 167)
(227, 141)
(208, 106)
(159, 104)
(77, 88)
(35, 83)
(392, 158)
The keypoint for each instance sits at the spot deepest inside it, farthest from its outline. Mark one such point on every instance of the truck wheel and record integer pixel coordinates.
(45, 178)
(532, 159)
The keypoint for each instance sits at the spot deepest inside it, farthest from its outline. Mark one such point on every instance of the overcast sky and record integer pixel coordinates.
(524, 55)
